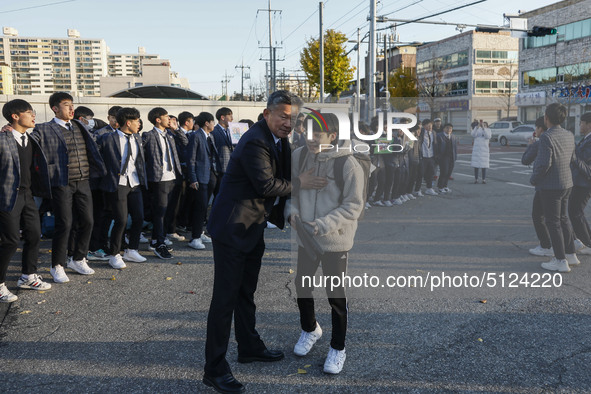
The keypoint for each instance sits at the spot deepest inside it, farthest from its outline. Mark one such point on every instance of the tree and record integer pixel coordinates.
(430, 87)
(402, 86)
(510, 75)
(337, 66)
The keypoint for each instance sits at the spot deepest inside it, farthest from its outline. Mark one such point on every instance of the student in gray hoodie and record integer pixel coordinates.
(330, 215)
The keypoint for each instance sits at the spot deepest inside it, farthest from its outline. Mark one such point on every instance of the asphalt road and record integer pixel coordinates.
(142, 329)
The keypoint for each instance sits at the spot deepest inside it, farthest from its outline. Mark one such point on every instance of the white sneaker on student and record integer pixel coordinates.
(5, 295)
(80, 266)
(205, 239)
(379, 203)
(572, 259)
(197, 244)
(58, 274)
(398, 201)
(419, 194)
(556, 265)
(585, 250)
(133, 255)
(175, 237)
(167, 242)
(307, 340)
(117, 262)
(442, 191)
(387, 203)
(33, 282)
(578, 245)
(271, 225)
(447, 189)
(367, 205)
(539, 251)
(410, 196)
(431, 192)
(143, 239)
(335, 361)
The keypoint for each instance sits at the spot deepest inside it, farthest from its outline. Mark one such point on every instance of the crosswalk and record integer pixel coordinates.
(496, 162)
(508, 161)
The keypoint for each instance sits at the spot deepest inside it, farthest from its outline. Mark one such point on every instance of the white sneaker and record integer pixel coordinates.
(539, 251)
(334, 361)
(99, 255)
(143, 239)
(556, 265)
(175, 237)
(117, 262)
(398, 201)
(447, 189)
(58, 274)
(410, 196)
(579, 245)
(307, 340)
(80, 266)
(33, 282)
(367, 205)
(585, 250)
(387, 203)
(419, 194)
(205, 239)
(431, 192)
(572, 259)
(271, 225)
(196, 243)
(5, 295)
(379, 203)
(442, 191)
(133, 255)
(167, 242)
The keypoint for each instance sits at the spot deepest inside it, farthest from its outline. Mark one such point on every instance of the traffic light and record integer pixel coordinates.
(539, 31)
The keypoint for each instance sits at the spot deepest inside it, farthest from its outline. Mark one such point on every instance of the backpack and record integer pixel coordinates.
(339, 165)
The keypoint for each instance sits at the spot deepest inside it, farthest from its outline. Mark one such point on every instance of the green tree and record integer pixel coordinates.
(402, 86)
(337, 66)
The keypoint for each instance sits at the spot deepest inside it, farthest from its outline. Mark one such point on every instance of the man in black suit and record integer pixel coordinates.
(581, 191)
(253, 191)
(447, 146)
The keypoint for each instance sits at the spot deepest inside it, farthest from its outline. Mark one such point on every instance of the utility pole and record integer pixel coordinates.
(358, 99)
(371, 88)
(242, 67)
(321, 56)
(271, 83)
(225, 85)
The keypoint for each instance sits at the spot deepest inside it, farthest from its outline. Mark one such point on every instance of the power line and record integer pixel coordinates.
(37, 6)
(403, 8)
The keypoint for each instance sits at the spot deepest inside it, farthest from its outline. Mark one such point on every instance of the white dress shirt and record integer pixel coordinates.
(131, 174)
(167, 157)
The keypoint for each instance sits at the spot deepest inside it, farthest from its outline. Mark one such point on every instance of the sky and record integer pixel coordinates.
(204, 40)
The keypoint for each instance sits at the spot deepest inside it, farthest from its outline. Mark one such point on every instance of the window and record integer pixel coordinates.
(570, 31)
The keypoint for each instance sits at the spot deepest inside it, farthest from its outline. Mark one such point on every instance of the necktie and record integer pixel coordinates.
(167, 158)
(428, 140)
(69, 126)
(278, 146)
(24, 140)
(128, 144)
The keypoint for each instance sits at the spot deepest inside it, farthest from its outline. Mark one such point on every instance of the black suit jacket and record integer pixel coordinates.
(256, 175)
(110, 146)
(153, 155)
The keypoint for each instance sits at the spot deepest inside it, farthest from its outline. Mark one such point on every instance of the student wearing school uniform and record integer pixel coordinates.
(163, 167)
(126, 174)
(20, 156)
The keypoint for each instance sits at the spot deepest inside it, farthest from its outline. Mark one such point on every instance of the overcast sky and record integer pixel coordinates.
(204, 39)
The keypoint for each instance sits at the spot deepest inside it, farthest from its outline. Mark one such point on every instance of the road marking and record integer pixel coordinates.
(458, 173)
(504, 161)
(519, 184)
(522, 172)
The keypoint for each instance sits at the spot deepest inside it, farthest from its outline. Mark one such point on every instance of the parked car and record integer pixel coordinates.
(518, 136)
(501, 126)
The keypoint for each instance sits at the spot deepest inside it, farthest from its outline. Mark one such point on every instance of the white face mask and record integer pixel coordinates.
(90, 124)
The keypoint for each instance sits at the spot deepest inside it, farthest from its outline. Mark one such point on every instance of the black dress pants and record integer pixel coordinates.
(555, 204)
(199, 209)
(159, 196)
(333, 264)
(26, 216)
(126, 200)
(235, 282)
(446, 167)
(576, 213)
(428, 171)
(537, 215)
(75, 199)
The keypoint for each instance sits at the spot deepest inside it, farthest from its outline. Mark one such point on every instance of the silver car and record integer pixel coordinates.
(518, 136)
(502, 126)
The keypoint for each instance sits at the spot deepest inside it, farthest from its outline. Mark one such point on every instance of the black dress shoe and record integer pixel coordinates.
(265, 356)
(224, 384)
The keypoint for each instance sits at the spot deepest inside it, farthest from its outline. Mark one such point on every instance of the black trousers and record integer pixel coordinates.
(537, 216)
(446, 167)
(199, 211)
(159, 196)
(555, 204)
(126, 200)
(413, 169)
(333, 264)
(428, 171)
(579, 198)
(102, 215)
(73, 200)
(174, 203)
(419, 177)
(483, 170)
(235, 282)
(184, 215)
(389, 178)
(26, 216)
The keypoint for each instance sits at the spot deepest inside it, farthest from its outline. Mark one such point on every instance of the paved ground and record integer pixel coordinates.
(142, 329)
